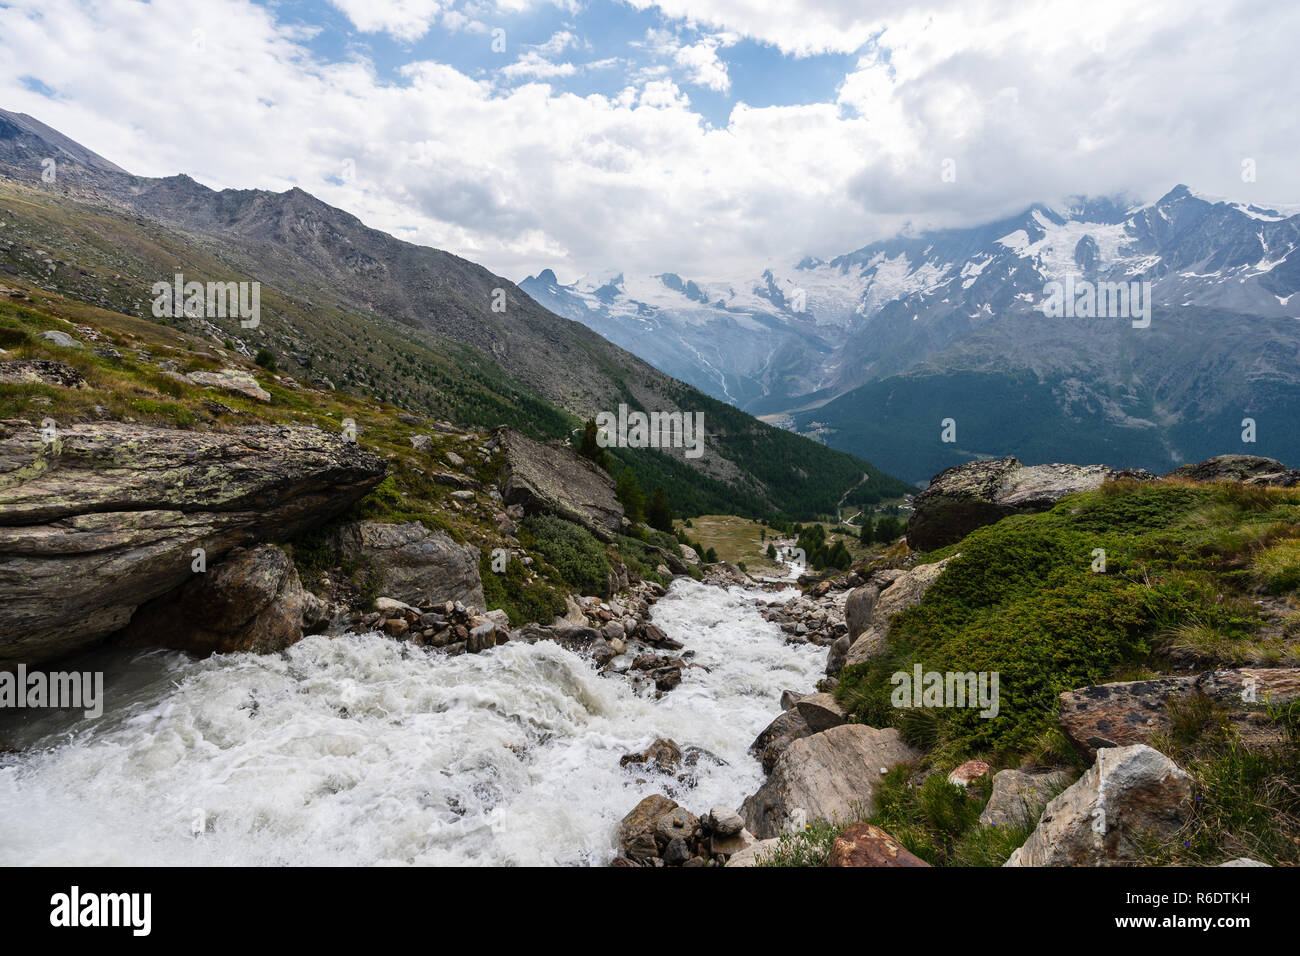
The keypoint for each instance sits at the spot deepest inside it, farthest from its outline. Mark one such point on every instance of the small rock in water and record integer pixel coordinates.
(663, 753)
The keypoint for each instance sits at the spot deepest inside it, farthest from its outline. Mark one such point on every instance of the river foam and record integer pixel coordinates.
(363, 750)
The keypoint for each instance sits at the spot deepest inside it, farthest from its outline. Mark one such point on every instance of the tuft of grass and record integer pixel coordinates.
(1247, 798)
(810, 847)
(1278, 567)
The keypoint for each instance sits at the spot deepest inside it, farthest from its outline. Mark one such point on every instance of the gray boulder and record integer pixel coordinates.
(414, 564)
(1019, 797)
(1130, 795)
(251, 601)
(821, 712)
(902, 590)
(777, 736)
(1248, 469)
(965, 497)
(724, 821)
(829, 776)
(559, 480)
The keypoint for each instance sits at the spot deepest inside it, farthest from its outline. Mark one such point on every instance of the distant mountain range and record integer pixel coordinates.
(872, 350)
(359, 310)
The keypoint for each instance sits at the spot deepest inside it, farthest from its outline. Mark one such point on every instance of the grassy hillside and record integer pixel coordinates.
(1196, 576)
(320, 327)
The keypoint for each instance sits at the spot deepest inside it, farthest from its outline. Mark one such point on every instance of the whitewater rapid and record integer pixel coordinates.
(363, 750)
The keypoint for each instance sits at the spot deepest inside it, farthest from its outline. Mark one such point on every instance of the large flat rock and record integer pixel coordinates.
(106, 516)
(415, 565)
(965, 497)
(559, 480)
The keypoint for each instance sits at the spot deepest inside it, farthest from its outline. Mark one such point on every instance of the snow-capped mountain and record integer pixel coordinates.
(792, 340)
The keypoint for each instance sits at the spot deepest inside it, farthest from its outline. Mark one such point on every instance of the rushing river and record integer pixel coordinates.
(364, 750)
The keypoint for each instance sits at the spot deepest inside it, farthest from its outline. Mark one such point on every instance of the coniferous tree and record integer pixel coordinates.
(888, 530)
(658, 515)
(590, 447)
(868, 534)
(630, 496)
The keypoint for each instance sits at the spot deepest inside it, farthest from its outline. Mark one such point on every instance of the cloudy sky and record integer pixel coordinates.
(704, 137)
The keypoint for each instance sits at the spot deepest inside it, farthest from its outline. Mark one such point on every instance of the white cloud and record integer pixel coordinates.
(404, 19)
(1035, 103)
(799, 27)
(409, 20)
(560, 41)
(699, 61)
(534, 64)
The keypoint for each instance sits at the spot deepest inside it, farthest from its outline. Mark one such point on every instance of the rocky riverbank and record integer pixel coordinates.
(1112, 796)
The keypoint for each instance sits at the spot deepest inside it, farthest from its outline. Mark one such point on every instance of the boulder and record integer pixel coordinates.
(676, 824)
(232, 380)
(689, 554)
(559, 480)
(754, 854)
(1129, 712)
(1119, 714)
(821, 712)
(831, 775)
(965, 497)
(901, 591)
(865, 845)
(869, 644)
(858, 606)
(777, 736)
(724, 821)
(636, 831)
(968, 772)
(1248, 469)
(664, 755)
(40, 372)
(414, 564)
(729, 846)
(251, 601)
(1019, 797)
(108, 516)
(838, 654)
(61, 339)
(1243, 861)
(1129, 796)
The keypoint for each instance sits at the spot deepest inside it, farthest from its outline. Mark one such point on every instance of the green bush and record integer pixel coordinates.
(575, 554)
(511, 592)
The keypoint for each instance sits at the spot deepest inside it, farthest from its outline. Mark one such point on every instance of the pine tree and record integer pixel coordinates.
(658, 515)
(630, 496)
(868, 534)
(888, 530)
(590, 447)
